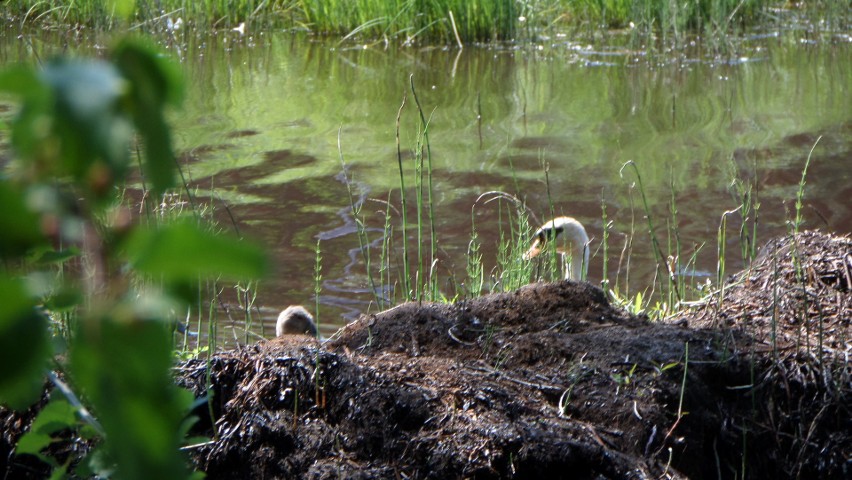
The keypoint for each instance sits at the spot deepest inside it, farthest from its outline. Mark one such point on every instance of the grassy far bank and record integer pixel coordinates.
(442, 21)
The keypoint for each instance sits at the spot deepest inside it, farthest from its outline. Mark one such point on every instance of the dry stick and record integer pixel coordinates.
(456, 64)
(775, 303)
(542, 387)
(295, 408)
(455, 30)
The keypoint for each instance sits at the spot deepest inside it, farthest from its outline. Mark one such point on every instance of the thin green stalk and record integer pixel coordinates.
(360, 227)
(504, 256)
(318, 389)
(605, 243)
(745, 193)
(721, 236)
(801, 192)
(246, 295)
(745, 242)
(418, 196)
(555, 257)
(433, 237)
(513, 272)
(519, 233)
(670, 281)
(797, 261)
(693, 260)
(683, 381)
(200, 306)
(212, 321)
(384, 261)
(628, 245)
(721, 244)
(208, 378)
(623, 259)
(317, 286)
(475, 271)
(661, 263)
(753, 251)
(406, 274)
(675, 278)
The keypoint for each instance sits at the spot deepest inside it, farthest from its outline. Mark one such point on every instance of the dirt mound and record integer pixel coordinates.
(550, 381)
(547, 381)
(795, 297)
(790, 314)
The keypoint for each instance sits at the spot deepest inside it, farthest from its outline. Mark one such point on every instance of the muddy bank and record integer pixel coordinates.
(550, 381)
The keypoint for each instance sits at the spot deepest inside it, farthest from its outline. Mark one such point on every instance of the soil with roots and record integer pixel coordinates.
(552, 381)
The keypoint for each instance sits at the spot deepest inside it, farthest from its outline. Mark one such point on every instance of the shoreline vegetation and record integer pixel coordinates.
(438, 21)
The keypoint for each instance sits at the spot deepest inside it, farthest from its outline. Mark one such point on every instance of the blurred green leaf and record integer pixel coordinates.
(19, 226)
(154, 82)
(24, 346)
(58, 473)
(78, 116)
(63, 300)
(56, 416)
(183, 252)
(96, 464)
(22, 81)
(92, 132)
(123, 364)
(122, 8)
(51, 257)
(32, 124)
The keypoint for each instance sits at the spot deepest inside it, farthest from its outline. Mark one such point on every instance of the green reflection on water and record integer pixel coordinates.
(682, 119)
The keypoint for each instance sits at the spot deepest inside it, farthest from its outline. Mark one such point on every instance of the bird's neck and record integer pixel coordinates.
(576, 265)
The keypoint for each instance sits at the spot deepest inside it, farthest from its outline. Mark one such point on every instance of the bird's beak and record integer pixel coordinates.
(534, 250)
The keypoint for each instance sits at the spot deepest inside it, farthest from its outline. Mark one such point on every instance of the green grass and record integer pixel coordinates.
(432, 21)
(405, 20)
(152, 15)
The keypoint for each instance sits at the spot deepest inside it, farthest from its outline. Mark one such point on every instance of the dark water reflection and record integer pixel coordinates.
(261, 125)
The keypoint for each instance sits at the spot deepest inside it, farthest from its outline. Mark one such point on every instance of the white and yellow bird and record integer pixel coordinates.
(571, 242)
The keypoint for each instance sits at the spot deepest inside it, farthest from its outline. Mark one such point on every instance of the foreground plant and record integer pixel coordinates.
(75, 263)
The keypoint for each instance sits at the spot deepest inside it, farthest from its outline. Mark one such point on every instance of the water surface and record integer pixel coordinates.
(275, 125)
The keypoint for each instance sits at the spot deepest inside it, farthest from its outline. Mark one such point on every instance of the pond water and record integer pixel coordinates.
(270, 120)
